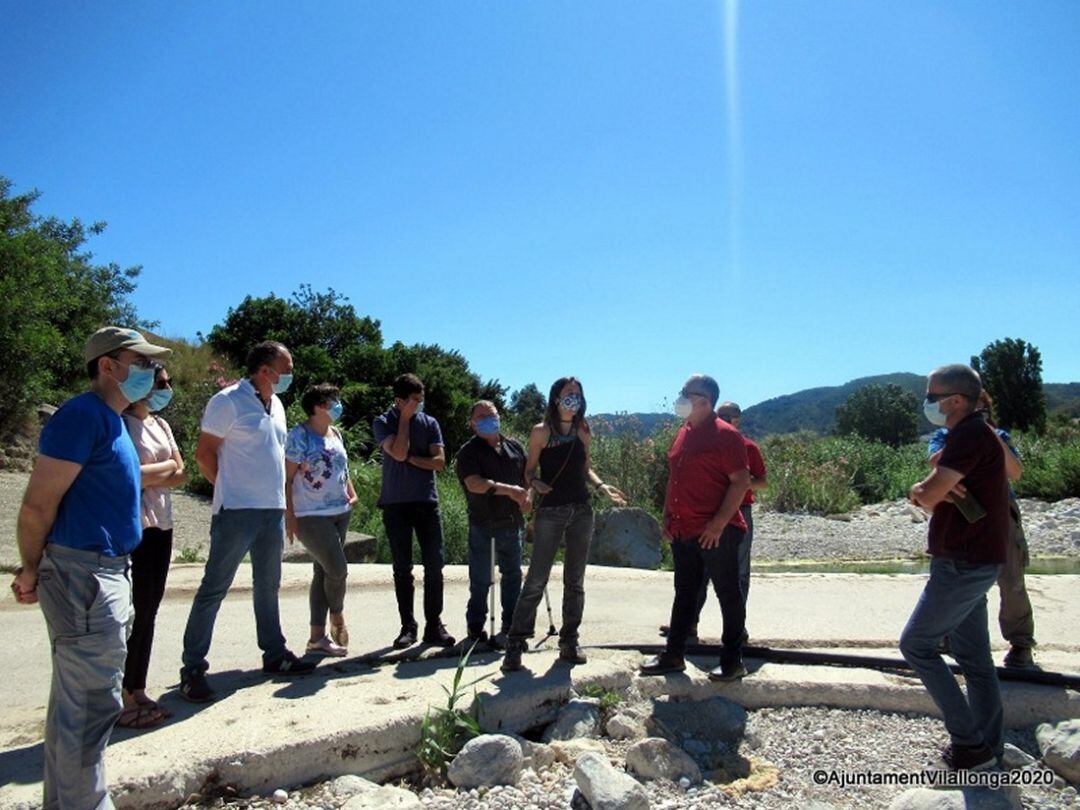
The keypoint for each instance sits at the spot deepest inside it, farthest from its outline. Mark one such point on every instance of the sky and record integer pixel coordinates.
(782, 195)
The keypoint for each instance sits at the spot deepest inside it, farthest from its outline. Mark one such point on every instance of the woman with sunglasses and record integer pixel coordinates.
(559, 446)
(162, 470)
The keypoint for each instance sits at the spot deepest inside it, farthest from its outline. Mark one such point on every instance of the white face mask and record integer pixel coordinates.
(683, 407)
(933, 414)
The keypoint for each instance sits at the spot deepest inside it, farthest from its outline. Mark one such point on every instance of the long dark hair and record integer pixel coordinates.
(551, 413)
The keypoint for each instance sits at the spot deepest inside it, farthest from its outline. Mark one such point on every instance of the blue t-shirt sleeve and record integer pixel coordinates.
(296, 445)
(937, 441)
(70, 435)
(434, 432)
(1005, 437)
(381, 430)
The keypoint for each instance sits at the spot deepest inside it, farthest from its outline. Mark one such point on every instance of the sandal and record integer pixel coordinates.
(140, 716)
(340, 634)
(150, 703)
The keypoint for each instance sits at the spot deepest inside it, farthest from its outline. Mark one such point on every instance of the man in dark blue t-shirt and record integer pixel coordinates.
(78, 522)
(412, 452)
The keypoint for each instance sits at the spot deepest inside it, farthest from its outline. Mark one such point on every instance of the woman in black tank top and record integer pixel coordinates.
(559, 447)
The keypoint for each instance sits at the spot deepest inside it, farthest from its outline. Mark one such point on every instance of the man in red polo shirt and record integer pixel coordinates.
(709, 476)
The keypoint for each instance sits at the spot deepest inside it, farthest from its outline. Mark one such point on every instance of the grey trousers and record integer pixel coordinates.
(572, 524)
(324, 538)
(1015, 617)
(86, 600)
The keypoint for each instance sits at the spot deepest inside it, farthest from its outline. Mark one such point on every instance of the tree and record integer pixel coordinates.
(526, 407)
(1011, 372)
(52, 297)
(883, 413)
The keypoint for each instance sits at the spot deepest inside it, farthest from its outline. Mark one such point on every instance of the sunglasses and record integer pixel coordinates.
(935, 397)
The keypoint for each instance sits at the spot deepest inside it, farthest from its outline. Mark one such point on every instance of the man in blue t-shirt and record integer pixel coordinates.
(412, 452)
(78, 522)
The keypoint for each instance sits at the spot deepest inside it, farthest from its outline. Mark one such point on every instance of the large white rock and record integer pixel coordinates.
(578, 718)
(487, 760)
(656, 758)
(628, 538)
(569, 751)
(963, 799)
(606, 788)
(1060, 747)
(385, 798)
(625, 727)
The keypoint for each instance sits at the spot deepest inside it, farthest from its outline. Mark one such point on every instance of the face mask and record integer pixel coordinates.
(933, 414)
(571, 402)
(139, 383)
(158, 399)
(488, 426)
(683, 407)
(335, 410)
(283, 383)
(420, 407)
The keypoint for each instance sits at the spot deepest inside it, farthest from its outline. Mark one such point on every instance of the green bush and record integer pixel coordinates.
(1051, 463)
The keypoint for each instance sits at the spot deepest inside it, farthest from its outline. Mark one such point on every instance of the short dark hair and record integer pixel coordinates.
(406, 385)
(711, 386)
(961, 379)
(263, 354)
(92, 367)
(729, 408)
(319, 395)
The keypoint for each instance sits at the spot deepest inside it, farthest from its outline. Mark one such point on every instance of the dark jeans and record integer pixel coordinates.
(507, 543)
(744, 565)
(149, 569)
(719, 564)
(400, 521)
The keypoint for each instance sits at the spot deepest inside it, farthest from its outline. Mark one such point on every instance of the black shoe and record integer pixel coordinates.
(406, 638)
(1019, 658)
(968, 757)
(193, 686)
(436, 634)
(663, 664)
(572, 654)
(288, 664)
(512, 656)
(732, 672)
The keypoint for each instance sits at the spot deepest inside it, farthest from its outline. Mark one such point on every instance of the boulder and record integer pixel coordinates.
(656, 758)
(350, 785)
(627, 538)
(625, 727)
(1016, 758)
(359, 548)
(606, 788)
(487, 760)
(385, 798)
(707, 729)
(569, 751)
(1060, 747)
(963, 799)
(578, 718)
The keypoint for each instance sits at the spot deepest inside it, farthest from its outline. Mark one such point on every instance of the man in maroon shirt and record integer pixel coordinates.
(967, 547)
(708, 479)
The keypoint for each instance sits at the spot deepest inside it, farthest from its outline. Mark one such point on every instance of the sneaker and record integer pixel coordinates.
(406, 638)
(512, 656)
(691, 637)
(663, 664)
(436, 634)
(288, 664)
(1019, 658)
(572, 654)
(325, 646)
(193, 686)
(968, 757)
(732, 672)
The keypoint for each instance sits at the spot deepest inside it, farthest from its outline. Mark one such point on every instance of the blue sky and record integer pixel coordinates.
(783, 195)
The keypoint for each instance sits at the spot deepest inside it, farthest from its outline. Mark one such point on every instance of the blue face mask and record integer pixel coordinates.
(158, 399)
(571, 402)
(335, 410)
(488, 426)
(283, 383)
(139, 383)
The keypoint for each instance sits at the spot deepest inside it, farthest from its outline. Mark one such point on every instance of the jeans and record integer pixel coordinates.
(149, 570)
(555, 526)
(86, 600)
(324, 538)
(233, 533)
(400, 521)
(720, 564)
(508, 555)
(744, 566)
(1015, 617)
(953, 604)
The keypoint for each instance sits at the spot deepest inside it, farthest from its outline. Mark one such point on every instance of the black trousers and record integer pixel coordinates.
(401, 520)
(720, 565)
(149, 569)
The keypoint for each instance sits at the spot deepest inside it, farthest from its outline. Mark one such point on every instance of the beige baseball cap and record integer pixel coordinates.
(113, 338)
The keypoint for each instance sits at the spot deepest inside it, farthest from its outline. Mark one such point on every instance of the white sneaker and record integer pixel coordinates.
(325, 646)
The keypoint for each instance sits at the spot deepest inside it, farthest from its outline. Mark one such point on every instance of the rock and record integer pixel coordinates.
(1060, 747)
(385, 798)
(844, 518)
(963, 799)
(490, 759)
(359, 548)
(279, 796)
(627, 538)
(625, 727)
(706, 729)
(569, 751)
(538, 756)
(606, 788)
(1015, 758)
(656, 758)
(578, 718)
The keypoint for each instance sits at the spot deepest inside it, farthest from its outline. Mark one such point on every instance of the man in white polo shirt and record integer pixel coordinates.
(241, 452)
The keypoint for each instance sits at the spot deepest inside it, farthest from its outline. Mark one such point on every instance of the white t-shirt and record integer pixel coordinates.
(154, 442)
(251, 458)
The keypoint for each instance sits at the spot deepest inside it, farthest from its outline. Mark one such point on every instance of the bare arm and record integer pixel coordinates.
(538, 437)
(436, 461)
(206, 455)
(933, 489)
(758, 482)
(397, 446)
(1014, 468)
(49, 481)
(290, 516)
(738, 483)
(158, 473)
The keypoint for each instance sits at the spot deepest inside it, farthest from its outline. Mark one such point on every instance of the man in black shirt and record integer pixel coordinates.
(491, 468)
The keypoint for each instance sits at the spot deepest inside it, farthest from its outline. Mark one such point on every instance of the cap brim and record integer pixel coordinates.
(149, 349)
